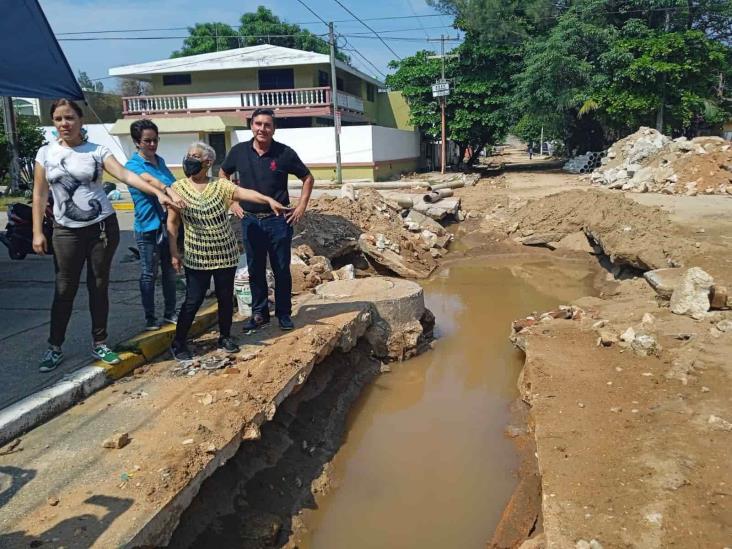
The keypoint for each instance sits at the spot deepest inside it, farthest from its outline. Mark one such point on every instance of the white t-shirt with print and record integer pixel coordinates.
(75, 177)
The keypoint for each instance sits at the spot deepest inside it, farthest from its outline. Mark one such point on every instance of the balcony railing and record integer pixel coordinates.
(238, 101)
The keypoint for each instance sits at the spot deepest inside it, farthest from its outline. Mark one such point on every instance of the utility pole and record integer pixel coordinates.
(442, 108)
(12, 137)
(441, 90)
(334, 100)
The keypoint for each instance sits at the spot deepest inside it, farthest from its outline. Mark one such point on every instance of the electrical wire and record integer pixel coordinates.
(313, 12)
(414, 12)
(368, 27)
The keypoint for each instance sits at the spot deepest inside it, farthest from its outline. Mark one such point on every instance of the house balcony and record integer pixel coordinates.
(287, 103)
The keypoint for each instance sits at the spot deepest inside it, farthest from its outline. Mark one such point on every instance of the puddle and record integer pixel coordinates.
(425, 462)
(415, 458)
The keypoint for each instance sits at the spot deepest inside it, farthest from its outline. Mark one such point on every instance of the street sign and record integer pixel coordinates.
(441, 88)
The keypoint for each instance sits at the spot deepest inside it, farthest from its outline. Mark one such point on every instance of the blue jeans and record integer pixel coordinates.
(153, 255)
(262, 237)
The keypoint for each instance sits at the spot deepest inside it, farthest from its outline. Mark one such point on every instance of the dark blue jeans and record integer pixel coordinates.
(262, 237)
(152, 257)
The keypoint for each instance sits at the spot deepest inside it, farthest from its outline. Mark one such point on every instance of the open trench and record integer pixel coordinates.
(414, 454)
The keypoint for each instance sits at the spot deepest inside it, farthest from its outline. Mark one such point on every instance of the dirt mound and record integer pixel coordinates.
(631, 234)
(337, 227)
(649, 161)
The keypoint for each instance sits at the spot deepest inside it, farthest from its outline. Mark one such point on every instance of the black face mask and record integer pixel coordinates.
(191, 166)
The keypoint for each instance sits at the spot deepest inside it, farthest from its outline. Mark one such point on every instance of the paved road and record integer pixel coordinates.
(26, 291)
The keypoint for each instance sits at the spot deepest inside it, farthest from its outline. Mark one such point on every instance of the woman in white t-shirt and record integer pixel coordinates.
(85, 225)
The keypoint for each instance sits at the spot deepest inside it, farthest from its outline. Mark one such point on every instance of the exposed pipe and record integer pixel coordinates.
(452, 185)
(436, 196)
(387, 185)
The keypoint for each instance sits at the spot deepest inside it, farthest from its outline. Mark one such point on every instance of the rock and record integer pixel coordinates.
(347, 272)
(664, 281)
(592, 544)
(429, 238)
(187, 442)
(460, 215)
(53, 501)
(424, 222)
(648, 318)
(719, 424)
(691, 296)
(628, 335)
(251, 432)
(724, 325)
(645, 345)
(117, 441)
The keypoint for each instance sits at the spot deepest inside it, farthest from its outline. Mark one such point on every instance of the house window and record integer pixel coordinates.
(370, 92)
(177, 79)
(276, 79)
(323, 79)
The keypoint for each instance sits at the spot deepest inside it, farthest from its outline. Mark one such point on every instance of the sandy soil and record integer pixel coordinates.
(632, 450)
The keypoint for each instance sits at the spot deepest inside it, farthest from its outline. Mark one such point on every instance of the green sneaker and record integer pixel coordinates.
(105, 354)
(51, 359)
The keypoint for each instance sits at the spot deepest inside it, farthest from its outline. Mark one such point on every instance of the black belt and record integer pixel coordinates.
(260, 215)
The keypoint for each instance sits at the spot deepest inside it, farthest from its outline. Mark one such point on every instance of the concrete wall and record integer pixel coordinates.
(393, 144)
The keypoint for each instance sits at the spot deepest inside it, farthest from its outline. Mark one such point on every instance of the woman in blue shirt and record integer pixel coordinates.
(150, 233)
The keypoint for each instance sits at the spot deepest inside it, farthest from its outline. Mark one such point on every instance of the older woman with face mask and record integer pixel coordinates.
(210, 246)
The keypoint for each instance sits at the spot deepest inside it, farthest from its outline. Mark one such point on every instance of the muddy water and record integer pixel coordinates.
(425, 462)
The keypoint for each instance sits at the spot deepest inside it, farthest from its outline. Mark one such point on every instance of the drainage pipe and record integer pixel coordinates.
(436, 196)
(388, 185)
(453, 185)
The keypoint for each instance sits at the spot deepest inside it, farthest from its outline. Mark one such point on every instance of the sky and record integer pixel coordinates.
(141, 16)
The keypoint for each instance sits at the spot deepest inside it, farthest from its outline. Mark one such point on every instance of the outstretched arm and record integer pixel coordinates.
(249, 195)
(117, 170)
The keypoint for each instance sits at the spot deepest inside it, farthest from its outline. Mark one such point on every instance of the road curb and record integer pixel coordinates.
(43, 405)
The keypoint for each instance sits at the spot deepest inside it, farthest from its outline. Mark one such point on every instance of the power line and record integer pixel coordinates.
(362, 56)
(314, 13)
(372, 30)
(414, 12)
(294, 23)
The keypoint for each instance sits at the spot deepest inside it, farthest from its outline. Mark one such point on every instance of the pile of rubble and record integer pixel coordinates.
(648, 161)
(367, 234)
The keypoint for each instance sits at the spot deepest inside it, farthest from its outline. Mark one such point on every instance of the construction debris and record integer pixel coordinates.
(584, 163)
(369, 225)
(648, 161)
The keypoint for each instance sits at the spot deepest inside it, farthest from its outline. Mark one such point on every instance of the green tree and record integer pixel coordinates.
(87, 84)
(662, 79)
(477, 109)
(30, 139)
(258, 27)
(207, 38)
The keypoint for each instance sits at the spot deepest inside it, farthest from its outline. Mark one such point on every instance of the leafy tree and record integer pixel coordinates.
(259, 27)
(477, 109)
(667, 79)
(208, 37)
(30, 139)
(87, 84)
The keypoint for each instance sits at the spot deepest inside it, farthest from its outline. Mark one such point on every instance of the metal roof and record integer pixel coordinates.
(261, 56)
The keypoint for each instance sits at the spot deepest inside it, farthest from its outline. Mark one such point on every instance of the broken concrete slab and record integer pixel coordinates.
(181, 432)
(424, 222)
(439, 210)
(664, 281)
(386, 257)
(542, 239)
(576, 242)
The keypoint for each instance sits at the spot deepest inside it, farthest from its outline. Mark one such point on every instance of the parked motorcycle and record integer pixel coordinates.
(18, 235)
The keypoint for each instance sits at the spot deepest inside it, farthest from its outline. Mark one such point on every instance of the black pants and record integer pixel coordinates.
(262, 237)
(94, 245)
(197, 284)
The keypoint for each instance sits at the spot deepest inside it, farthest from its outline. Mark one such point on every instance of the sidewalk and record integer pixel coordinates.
(26, 292)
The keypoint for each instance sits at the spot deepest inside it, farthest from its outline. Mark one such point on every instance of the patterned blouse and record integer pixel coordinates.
(209, 240)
